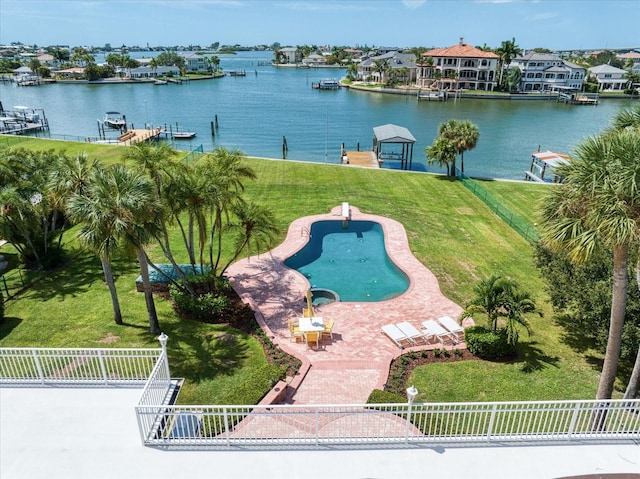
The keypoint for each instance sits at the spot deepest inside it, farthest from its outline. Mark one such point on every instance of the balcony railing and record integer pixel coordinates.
(77, 366)
(163, 424)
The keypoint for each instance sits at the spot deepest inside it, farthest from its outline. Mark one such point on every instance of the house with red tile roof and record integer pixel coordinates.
(458, 66)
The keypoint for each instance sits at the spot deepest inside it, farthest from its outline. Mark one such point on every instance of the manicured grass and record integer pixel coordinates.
(450, 231)
(517, 196)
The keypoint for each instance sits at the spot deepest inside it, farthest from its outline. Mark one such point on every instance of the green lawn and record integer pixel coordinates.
(450, 231)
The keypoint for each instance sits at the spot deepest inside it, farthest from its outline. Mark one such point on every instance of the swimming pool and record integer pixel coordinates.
(349, 258)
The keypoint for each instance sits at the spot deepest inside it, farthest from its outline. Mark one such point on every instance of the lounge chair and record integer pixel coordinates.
(396, 335)
(433, 328)
(411, 332)
(452, 325)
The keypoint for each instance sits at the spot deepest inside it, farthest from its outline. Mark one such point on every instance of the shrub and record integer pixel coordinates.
(1, 307)
(378, 396)
(487, 344)
(206, 307)
(255, 387)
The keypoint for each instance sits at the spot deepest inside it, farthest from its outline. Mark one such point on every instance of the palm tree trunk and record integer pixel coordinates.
(632, 388)
(108, 277)
(614, 341)
(154, 326)
(618, 306)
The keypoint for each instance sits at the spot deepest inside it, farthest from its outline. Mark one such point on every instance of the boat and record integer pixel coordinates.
(326, 84)
(183, 135)
(160, 82)
(114, 120)
(545, 163)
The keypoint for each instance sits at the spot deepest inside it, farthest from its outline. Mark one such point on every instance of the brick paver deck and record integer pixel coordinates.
(357, 361)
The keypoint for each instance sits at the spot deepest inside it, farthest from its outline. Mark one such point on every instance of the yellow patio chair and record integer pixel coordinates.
(328, 329)
(312, 337)
(308, 313)
(295, 333)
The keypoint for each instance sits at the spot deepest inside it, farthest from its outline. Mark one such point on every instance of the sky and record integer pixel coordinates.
(552, 24)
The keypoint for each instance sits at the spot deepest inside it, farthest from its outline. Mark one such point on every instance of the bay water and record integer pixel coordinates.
(255, 112)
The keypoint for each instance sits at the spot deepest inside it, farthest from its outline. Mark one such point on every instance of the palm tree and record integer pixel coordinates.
(256, 226)
(517, 304)
(381, 67)
(599, 202)
(442, 152)
(70, 176)
(91, 207)
(352, 71)
(463, 134)
(507, 51)
(490, 297)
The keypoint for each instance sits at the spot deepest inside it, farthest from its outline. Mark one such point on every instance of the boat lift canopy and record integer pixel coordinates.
(394, 134)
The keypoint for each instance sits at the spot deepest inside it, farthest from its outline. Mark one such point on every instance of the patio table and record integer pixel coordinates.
(307, 325)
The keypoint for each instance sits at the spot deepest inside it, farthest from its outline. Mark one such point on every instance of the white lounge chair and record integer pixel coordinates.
(410, 331)
(434, 328)
(396, 335)
(452, 325)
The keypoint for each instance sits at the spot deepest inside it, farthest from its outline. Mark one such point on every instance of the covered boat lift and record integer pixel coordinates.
(543, 162)
(396, 135)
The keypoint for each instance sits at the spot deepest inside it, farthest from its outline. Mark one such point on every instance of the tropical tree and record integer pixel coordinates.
(28, 216)
(514, 77)
(463, 134)
(119, 211)
(443, 152)
(504, 304)
(489, 299)
(380, 67)
(255, 227)
(507, 51)
(352, 71)
(599, 203)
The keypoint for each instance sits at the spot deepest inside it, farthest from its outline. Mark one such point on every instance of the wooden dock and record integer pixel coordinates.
(131, 137)
(365, 159)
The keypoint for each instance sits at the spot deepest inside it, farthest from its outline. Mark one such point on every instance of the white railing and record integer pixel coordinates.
(76, 366)
(394, 423)
(162, 423)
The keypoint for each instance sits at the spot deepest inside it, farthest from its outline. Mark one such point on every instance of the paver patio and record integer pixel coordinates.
(357, 361)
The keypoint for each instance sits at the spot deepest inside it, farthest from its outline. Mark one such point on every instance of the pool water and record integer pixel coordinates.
(349, 258)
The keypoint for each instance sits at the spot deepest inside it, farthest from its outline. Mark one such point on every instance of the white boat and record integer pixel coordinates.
(115, 120)
(183, 135)
(543, 166)
(161, 82)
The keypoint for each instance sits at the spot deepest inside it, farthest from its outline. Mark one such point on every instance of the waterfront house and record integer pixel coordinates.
(631, 59)
(154, 72)
(74, 73)
(608, 77)
(458, 66)
(401, 66)
(291, 54)
(314, 60)
(547, 72)
(195, 62)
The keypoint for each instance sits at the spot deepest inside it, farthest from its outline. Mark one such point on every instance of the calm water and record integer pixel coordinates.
(256, 111)
(351, 261)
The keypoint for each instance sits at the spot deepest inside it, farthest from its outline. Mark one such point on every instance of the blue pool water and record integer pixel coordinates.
(351, 260)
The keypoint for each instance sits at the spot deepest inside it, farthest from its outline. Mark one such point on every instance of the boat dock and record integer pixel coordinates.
(131, 137)
(365, 159)
(576, 99)
(22, 119)
(327, 84)
(433, 95)
(237, 73)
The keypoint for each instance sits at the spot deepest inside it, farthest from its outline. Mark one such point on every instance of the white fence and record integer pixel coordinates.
(163, 424)
(77, 366)
(395, 423)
